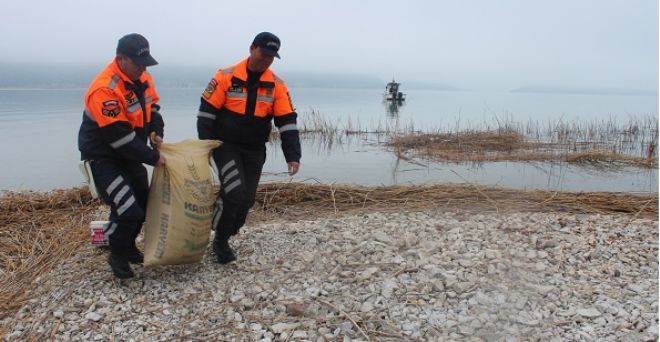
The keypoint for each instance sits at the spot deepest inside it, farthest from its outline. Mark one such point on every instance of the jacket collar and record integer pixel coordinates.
(240, 71)
(117, 71)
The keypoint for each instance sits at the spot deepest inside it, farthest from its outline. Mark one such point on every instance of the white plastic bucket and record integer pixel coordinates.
(98, 230)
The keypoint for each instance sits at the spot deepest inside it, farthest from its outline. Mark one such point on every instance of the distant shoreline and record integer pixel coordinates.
(413, 87)
(583, 91)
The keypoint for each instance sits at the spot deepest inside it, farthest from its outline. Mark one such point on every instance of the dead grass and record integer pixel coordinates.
(605, 158)
(635, 136)
(299, 200)
(38, 231)
(507, 145)
(465, 142)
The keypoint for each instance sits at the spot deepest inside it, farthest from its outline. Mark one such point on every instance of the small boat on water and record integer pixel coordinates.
(392, 92)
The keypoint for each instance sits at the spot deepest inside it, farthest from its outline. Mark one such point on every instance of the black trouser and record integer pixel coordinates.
(125, 187)
(239, 169)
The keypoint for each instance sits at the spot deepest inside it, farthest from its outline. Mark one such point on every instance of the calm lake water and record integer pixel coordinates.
(38, 135)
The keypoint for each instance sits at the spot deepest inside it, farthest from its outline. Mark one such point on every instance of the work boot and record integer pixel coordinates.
(134, 255)
(223, 252)
(120, 267)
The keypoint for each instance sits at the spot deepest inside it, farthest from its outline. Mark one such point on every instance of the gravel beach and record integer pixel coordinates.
(381, 276)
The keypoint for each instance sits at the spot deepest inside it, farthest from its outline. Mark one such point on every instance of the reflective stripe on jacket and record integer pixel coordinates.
(114, 125)
(225, 113)
(228, 89)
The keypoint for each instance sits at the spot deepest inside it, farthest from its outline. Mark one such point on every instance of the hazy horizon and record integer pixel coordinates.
(17, 76)
(507, 44)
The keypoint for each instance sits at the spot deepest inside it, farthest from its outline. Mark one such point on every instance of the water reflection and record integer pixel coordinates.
(364, 159)
(392, 107)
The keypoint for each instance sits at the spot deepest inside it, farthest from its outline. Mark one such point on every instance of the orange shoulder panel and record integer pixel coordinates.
(105, 106)
(215, 90)
(282, 103)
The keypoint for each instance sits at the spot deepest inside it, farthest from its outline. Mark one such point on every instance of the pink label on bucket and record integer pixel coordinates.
(98, 237)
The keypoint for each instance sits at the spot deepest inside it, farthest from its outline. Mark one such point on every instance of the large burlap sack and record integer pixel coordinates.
(180, 207)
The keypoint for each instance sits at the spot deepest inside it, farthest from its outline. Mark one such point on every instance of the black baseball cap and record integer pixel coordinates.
(268, 42)
(136, 47)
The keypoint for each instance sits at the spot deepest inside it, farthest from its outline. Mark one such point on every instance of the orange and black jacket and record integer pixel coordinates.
(235, 110)
(119, 115)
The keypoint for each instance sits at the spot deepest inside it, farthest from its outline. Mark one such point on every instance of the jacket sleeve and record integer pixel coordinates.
(157, 124)
(285, 119)
(206, 121)
(115, 129)
(286, 124)
(212, 100)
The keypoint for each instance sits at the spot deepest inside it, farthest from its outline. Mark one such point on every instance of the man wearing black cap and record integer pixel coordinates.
(121, 112)
(237, 107)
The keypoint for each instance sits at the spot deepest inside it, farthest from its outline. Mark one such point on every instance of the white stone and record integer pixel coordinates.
(381, 236)
(481, 277)
(366, 307)
(366, 274)
(279, 328)
(388, 287)
(588, 312)
(236, 297)
(528, 321)
(636, 288)
(313, 291)
(93, 316)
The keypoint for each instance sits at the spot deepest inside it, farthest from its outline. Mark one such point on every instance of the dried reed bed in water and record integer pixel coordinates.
(508, 145)
(607, 143)
(37, 231)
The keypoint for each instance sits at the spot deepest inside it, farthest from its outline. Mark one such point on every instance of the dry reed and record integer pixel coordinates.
(613, 142)
(37, 231)
(507, 145)
(302, 200)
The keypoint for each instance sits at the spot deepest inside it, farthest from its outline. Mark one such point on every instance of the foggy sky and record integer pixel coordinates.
(469, 44)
